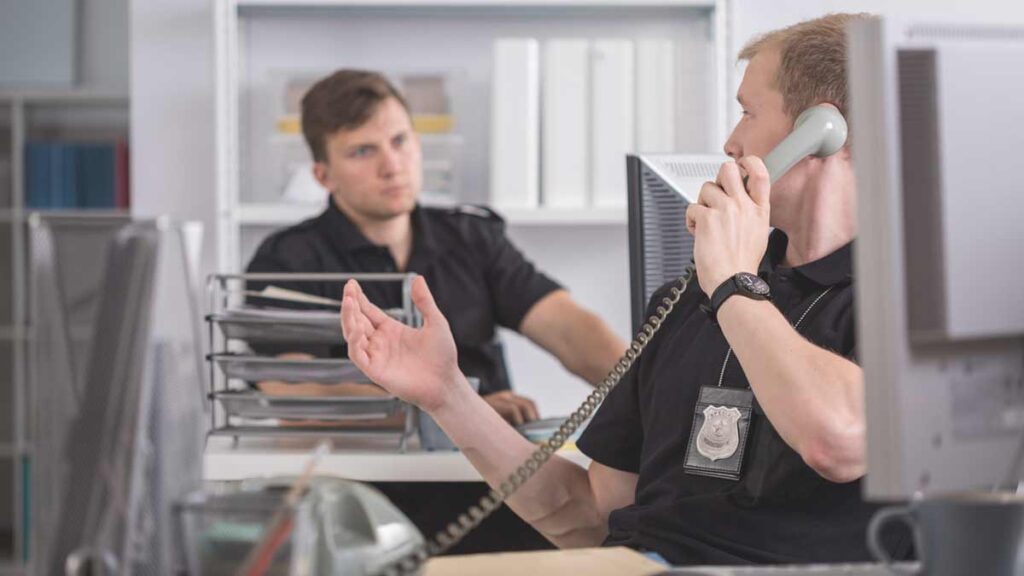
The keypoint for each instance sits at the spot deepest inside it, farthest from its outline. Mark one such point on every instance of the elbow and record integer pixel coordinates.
(574, 521)
(838, 455)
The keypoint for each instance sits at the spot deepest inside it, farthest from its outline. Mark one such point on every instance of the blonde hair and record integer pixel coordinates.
(812, 65)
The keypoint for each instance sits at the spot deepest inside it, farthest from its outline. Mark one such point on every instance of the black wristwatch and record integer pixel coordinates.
(745, 284)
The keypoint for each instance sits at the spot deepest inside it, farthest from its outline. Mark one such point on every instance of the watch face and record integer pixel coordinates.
(751, 283)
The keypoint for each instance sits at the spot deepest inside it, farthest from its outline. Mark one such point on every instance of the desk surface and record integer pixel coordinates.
(365, 459)
(625, 562)
(589, 561)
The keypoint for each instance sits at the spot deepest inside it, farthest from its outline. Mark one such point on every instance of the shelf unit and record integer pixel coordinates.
(25, 114)
(255, 39)
(279, 215)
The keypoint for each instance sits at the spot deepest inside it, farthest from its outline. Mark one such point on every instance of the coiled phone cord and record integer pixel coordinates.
(452, 534)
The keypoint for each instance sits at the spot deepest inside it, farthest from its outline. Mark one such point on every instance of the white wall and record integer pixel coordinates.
(98, 41)
(104, 39)
(592, 262)
(753, 17)
(172, 116)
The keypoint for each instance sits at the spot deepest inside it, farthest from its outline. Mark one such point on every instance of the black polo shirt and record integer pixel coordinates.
(780, 510)
(478, 278)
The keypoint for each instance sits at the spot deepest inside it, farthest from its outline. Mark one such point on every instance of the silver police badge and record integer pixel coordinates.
(719, 436)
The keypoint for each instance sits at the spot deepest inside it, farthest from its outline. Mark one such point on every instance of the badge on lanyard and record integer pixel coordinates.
(721, 423)
(718, 438)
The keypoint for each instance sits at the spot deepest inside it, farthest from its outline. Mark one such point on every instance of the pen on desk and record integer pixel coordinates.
(280, 526)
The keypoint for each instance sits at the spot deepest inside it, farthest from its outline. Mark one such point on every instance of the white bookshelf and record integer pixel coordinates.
(70, 96)
(280, 215)
(563, 216)
(255, 43)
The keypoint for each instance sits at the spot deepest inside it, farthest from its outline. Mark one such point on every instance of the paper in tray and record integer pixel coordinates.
(260, 368)
(255, 405)
(282, 325)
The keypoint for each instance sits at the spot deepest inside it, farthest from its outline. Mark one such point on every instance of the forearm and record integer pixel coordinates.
(558, 500)
(813, 397)
(594, 350)
(581, 341)
(586, 346)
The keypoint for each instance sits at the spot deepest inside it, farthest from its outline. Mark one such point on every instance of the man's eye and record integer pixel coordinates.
(399, 140)
(362, 151)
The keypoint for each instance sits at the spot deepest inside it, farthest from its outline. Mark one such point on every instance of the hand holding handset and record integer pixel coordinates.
(819, 131)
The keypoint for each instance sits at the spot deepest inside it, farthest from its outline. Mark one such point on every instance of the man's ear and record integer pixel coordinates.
(320, 173)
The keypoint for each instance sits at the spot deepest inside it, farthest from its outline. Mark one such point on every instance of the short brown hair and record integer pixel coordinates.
(344, 100)
(812, 66)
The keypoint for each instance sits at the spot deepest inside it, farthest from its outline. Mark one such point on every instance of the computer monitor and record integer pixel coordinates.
(660, 187)
(135, 442)
(936, 126)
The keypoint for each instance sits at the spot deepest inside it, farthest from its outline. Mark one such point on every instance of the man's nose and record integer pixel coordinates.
(390, 163)
(732, 148)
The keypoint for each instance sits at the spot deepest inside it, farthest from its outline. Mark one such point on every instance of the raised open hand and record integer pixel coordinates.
(419, 365)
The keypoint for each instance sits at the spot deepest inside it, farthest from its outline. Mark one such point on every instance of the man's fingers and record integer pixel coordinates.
(354, 332)
(358, 349)
(358, 353)
(504, 404)
(759, 184)
(514, 414)
(527, 407)
(712, 195)
(731, 181)
(370, 311)
(352, 318)
(349, 310)
(694, 212)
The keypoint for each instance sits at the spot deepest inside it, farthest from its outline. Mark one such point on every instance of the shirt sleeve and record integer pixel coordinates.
(514, 282)
(844, 326)
(615, 436)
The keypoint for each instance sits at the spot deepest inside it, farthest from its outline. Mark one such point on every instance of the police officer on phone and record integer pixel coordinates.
(738, 435)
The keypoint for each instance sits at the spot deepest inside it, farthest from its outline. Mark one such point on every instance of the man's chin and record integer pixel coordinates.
(392, 211)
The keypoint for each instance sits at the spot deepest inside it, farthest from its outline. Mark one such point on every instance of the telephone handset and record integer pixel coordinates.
(819, 131)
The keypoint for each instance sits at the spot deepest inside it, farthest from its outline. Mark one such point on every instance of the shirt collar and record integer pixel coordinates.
(345, 236)
(829, 270)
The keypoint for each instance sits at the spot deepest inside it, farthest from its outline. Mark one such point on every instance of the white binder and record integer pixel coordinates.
(612, 119)
(515, 123)
(655, 96)
(564, 126)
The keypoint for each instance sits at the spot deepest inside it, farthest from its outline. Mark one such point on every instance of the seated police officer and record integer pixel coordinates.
(366, 154)
(738, 436)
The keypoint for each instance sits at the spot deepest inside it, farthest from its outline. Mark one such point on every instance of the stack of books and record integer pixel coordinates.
(76, 175)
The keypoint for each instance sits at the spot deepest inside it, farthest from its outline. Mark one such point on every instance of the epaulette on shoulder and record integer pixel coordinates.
(476, 211)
